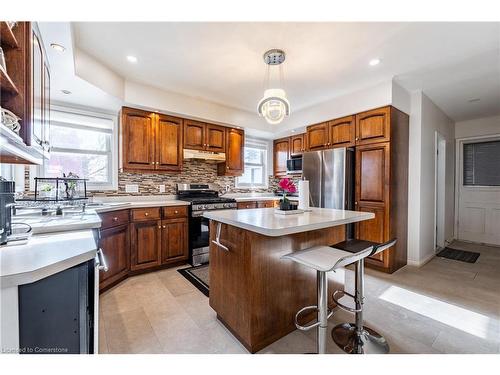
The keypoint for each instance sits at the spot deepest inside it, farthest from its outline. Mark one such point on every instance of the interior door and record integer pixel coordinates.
(194, 135)
(168, 143)
(138, 139)
(215, 138)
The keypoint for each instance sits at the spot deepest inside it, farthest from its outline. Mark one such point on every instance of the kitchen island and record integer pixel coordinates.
(253, 291)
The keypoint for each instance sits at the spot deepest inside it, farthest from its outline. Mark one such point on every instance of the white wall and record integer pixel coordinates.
(427, 118)
(478, 127)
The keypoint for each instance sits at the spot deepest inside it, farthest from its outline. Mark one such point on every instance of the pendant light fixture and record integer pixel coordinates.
(274, 106)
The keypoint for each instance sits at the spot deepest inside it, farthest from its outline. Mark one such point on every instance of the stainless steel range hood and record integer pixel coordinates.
(210, 157)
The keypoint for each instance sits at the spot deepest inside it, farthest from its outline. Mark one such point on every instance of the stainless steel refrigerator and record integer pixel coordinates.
(331, 179)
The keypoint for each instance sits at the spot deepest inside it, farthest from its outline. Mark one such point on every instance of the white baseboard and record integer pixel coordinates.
(420, 263)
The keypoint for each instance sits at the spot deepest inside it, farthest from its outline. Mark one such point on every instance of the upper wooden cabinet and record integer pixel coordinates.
(25, 85)
(317, 137)
(150, 141)
(235, 143)
(373, 126)
(168, 141)
(297, 144)
(202, 136)
(281, 152)
(342, 132)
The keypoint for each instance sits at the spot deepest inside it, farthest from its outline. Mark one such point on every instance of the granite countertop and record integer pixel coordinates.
(265, 221)
(44, 255)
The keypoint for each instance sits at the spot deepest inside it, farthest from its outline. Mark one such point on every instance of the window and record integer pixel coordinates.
(255, 169)
(482, 163)
(83, 143)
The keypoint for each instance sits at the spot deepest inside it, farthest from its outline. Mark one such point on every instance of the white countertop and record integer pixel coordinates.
(67, 222)
(114, 206)
(258, 198)
(44, 255)
(265, 221)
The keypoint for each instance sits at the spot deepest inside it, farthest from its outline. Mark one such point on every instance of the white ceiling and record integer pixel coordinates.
(222, 62)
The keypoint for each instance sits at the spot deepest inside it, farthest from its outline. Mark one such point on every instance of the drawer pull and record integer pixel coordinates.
(146, 213)
(115, 219)
(176, 212)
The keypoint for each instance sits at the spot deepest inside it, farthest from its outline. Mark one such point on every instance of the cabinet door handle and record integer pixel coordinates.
(159, 226)
(163, 226)
(217, 239)
(146, 213)
(357, 138)
(355, 203)
(152, 163)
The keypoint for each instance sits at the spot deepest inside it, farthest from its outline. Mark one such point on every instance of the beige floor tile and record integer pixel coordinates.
(131, 332)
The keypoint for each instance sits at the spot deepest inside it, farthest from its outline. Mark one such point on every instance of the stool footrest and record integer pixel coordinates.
(341, 305)
(312, 325)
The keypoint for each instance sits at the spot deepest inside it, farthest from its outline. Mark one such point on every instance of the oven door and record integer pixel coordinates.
(199, 238)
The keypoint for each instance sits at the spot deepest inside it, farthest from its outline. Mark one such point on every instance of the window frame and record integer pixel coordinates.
(262, 146)
(462, 146)
(112, 153)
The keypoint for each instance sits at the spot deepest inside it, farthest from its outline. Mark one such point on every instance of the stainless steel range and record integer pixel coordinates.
(203, 197)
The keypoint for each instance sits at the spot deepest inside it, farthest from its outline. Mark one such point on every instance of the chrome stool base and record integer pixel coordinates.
(369, 342)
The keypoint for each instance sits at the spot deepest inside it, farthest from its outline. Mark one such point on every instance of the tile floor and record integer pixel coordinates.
(445, 306)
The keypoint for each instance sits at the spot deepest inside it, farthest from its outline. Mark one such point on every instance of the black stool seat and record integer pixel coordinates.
(354, 246)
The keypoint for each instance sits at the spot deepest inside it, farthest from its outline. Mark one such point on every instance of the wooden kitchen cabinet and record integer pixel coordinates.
(205, 137)
(168, 140)
(150, 141)
(247, 205)
(174, 240)
(342, 132)
(374, 126)
(297, 144)
(115, 245)
(25, 87)
(235, 143)
(317, 137)
(381, 187)
(281, 153)
(145, 244)
(266, 204)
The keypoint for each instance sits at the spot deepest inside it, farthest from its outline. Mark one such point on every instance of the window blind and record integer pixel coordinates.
(481, 163)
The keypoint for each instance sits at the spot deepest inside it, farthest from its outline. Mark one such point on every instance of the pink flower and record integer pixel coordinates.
(287, 185)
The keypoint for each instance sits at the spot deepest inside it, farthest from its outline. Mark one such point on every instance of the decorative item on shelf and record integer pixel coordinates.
(10, 120)
(287, 186)
(60, 189)
(274, 106)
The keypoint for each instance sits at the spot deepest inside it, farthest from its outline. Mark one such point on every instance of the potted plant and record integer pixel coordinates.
(46, 191)
(287, 186)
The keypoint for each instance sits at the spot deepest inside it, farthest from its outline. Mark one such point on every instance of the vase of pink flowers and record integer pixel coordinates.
(287, 186)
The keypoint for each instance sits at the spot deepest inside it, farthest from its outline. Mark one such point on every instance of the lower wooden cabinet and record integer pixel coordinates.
(145, 244)
(266, 204)
(245, 205)
(115, 244)
(174, 240)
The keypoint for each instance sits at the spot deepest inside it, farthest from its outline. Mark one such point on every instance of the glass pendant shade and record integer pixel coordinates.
(274, 106)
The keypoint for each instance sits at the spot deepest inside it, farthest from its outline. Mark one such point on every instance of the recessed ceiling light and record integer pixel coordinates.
(67, 92)
(473, 100)
(132, 59)
(58, 47)
(374, 62)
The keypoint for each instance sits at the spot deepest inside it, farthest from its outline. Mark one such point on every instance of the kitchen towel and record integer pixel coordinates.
(303, 195)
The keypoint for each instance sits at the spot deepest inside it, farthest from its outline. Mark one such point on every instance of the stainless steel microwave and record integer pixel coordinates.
(294, 165)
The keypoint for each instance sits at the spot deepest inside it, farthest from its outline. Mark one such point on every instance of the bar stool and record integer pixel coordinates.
(355, 338)
(323, 259)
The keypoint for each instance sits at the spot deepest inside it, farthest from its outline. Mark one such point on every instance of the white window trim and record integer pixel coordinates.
(263, 145)
(39, 170)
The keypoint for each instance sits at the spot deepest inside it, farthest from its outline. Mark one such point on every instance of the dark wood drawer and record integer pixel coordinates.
(175, 212)
(244, 205)
(113, 219)
(149, 213)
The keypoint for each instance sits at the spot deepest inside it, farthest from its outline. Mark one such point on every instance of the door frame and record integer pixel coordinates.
(439, 190)
(459, 173)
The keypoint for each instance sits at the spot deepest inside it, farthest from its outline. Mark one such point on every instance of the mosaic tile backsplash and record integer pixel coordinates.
(195, 171)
